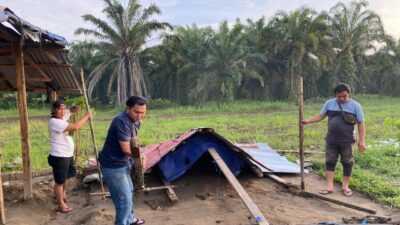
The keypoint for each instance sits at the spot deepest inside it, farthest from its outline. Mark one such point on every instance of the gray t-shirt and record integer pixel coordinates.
(338, 130)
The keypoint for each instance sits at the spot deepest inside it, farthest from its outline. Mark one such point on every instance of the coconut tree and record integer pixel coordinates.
(119, 39)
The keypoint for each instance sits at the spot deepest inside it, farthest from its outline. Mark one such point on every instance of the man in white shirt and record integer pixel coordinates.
(62, 150)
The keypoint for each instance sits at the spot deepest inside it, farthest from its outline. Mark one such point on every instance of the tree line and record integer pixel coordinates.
(256, 59)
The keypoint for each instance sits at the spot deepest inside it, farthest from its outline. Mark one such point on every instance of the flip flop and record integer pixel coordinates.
(348, 193)
(64, 210)
(138, 222)
(325, 192)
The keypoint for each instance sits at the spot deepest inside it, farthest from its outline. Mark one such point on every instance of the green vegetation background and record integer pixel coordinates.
(377, 172)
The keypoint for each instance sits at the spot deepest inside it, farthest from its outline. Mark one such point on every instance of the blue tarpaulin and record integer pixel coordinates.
(177, 162)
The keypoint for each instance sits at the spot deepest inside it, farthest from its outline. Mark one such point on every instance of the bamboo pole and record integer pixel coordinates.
(301, 131)
(23, 119)
(2, 211)
(92, 132)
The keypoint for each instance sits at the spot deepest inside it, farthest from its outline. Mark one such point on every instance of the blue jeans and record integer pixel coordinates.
(119, 183)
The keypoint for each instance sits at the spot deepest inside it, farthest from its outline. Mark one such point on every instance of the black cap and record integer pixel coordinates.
(57, 104)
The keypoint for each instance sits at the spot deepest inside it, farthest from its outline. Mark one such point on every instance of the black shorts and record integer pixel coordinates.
(63, 168)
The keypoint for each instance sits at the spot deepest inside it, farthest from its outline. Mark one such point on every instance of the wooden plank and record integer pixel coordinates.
(301, 132)
(36, 90)
(345, 204)
(40, 65)
(2, 211)
(138, 175)
(9, 176)
(251, 206)
(52, 57)
(256, 170)
(282, 151)
(102, 194)
(32, 79)
(32, 63)
(23, 118)
(170, 192)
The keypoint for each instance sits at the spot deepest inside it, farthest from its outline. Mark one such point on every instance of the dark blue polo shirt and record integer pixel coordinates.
(122, 128)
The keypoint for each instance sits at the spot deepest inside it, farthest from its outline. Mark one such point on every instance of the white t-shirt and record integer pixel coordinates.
(61, 145)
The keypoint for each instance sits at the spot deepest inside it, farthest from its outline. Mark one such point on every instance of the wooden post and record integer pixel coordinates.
(138, 176)
(92, 132)
(23, 119)
(2, 212)
(170, 192)
(53, 96)
(251, 206)
(301, 134)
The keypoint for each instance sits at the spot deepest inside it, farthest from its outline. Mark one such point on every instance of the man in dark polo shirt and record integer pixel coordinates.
(340, 136)
(115, 159)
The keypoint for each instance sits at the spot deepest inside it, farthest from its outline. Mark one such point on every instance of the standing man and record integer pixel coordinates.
(62, 150)
(115, 159)
(343, 113)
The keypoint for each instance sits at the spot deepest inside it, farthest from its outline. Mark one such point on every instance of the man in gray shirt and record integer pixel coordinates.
(340, 135)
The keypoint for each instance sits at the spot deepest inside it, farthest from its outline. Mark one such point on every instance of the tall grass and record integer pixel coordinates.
(275, 123)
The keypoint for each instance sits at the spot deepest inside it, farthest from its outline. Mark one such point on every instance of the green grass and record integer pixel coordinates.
(377, 171)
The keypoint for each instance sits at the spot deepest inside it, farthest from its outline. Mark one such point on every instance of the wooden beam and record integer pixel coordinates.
(23, 118)
(49, 49)
(32, 79)
(170, 192)
(10, 176)
(36, 90)
(7, 36)
(345, 204)
(251, 206)
(137, 162)
(40, 65)
(9, 85)
(32, 63)
(301, 132)
(52, 57)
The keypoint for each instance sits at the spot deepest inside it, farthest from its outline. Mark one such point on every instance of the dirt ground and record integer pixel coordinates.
(205, 197)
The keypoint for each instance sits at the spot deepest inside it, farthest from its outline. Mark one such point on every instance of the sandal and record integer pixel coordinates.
(138, 222)
(348, 193)
(64, 210)
(325, 192)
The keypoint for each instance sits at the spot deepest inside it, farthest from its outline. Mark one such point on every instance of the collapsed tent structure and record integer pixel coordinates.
(176, 156)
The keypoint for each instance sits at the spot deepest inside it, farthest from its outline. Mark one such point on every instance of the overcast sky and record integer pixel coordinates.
(63, 17)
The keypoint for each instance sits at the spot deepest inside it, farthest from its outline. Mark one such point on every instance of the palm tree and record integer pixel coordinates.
(353, 31)
(384, 69)
(119, 40)
(224, 66)
(299, 46)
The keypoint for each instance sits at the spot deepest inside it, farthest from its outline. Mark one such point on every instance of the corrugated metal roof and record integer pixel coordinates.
(46, 59)
(154, 152)
(265, 154)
